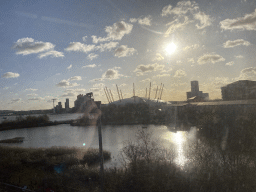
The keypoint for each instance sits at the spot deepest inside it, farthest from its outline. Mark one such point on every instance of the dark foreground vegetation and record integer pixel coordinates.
(58, 168)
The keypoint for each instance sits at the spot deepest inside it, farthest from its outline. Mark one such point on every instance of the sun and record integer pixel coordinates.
(170, 48)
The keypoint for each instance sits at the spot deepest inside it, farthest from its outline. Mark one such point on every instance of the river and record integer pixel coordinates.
(114, 137)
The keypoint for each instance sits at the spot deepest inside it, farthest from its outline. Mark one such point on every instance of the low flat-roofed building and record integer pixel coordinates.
(239, 90)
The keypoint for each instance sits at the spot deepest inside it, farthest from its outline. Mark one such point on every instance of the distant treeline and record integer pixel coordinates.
(25, 122)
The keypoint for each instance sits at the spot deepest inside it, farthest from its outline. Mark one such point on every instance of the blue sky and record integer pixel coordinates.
(59, 49)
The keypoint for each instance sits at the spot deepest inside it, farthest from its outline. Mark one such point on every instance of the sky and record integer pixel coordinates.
(58, 49)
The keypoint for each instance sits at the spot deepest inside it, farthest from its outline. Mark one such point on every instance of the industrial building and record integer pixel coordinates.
(239, 90)
(80, 103)
(195, 94)
(67, 105)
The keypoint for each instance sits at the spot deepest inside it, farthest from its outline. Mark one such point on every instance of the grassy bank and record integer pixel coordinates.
(30, 121)
(58, 167)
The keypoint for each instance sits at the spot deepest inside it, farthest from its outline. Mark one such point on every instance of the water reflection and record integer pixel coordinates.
(178, 139)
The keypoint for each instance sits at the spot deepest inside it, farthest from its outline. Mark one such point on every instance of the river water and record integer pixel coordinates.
(114, 137)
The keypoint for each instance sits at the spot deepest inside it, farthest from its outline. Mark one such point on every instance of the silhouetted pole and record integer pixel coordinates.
(100, 149)
(156, 92)
(149, 91)
(162, 92)
(111, 95)
(133, 92)
(121, 94)
(146, 93)
(106, 95)
(159, 92)
(118, 92)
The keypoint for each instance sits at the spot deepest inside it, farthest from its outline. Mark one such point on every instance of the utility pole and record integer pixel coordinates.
(98, 103)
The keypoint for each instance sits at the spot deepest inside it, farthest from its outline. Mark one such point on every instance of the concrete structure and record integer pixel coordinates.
(196, 93)
(67, 105)
(239, 90)
(58, 108)
(80, 103)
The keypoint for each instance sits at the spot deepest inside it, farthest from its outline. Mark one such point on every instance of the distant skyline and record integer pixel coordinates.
(59, 49)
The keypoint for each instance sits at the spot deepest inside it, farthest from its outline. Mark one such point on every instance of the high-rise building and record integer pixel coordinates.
(195, 92)
(67, 104)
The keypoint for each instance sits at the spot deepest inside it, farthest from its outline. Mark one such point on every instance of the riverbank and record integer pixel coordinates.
(34, 167)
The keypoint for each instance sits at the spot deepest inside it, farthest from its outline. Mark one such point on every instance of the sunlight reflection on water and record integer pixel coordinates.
(178, 139)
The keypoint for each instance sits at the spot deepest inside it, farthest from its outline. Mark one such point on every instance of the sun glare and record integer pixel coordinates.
(170, 48)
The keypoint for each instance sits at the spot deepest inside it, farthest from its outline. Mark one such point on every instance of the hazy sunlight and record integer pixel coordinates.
(170, 48)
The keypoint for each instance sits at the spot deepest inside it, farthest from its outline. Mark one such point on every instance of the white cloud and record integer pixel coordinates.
(15, 100)
(65, 83)
(36, 99)
(68, 95)
(180, 73)
(75, 90)
(176, 24)
(149, 68)
(158, 57)
(191, 60)
(89, 66)
(145, 80)
(92, 56)
(75, 78)
(195, 46)
(248, 74)
(239, 56)
(181, 8)
(230, 63)
(213, 58)
(107, 46)
(26, 46)
(229, 44)
(248, 22)
(95, 89)
(142, 21)
(204, 19)
(124, 51)
(163, 75)
(30, 89)
(111, 74)
(99, 85)
(32, 95)
(51, 53)
(96, 80)
(77, 46)
(10, 75)
(69, 67)
(84, 38)
(114, 32)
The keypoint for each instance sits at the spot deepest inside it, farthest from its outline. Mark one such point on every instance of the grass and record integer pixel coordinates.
(37, 166)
